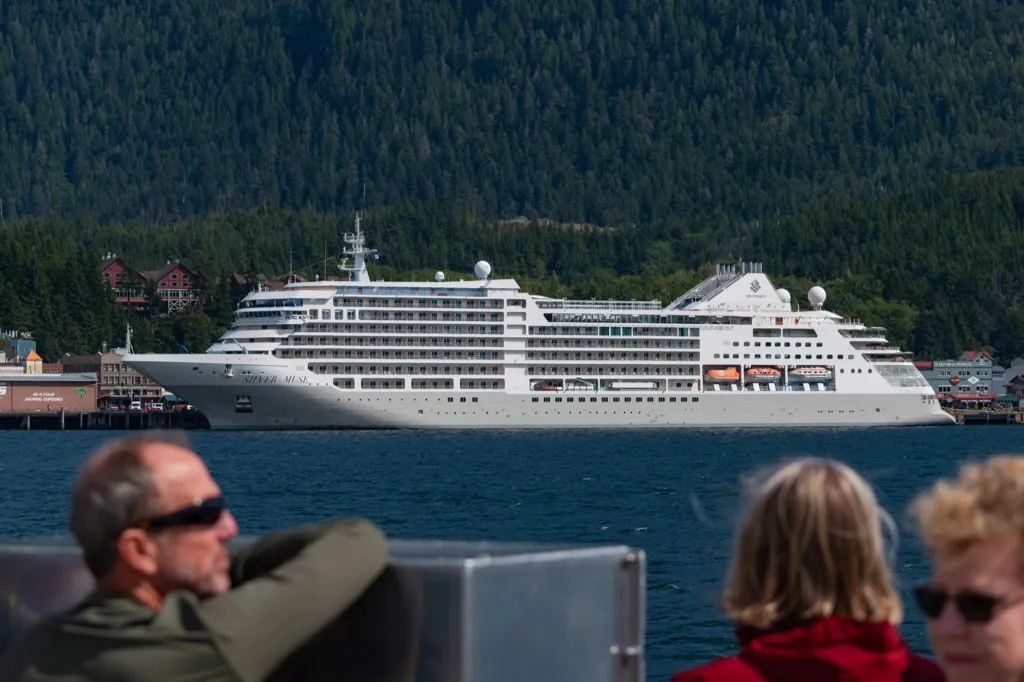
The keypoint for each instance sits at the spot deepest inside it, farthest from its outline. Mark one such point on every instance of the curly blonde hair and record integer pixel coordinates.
(985, 501)
(811, 545)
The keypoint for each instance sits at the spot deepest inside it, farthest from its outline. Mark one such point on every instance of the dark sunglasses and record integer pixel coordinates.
(975, 607)
(203, 513)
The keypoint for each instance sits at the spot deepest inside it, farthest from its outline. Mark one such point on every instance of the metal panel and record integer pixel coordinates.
(492, 612)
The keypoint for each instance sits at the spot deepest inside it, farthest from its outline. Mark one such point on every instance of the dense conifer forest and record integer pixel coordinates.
(872, 147)
(941, 265)
(604, 111)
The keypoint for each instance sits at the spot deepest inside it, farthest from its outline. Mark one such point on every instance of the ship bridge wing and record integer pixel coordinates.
(729, 287)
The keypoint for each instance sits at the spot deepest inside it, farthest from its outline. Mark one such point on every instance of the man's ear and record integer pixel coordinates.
(138, 551)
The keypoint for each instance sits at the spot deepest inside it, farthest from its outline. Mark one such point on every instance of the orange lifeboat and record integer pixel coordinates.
(763, 375)
(810, 374)
(725, 375)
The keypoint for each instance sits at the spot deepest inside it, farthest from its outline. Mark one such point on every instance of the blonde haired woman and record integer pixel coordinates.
(973, 527)
(809, 587)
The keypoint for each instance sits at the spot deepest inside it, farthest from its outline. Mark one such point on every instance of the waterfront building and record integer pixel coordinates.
(15, 346)
(119, 384)
(967, 378)
(34, 390)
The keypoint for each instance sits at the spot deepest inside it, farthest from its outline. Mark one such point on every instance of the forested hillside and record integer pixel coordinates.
(578, 110)
(941, 265)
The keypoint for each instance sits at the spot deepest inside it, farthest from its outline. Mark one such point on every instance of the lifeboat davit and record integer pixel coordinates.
(763, 375)
(725, 375)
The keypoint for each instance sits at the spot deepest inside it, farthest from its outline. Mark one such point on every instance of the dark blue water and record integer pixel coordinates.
(675, 494)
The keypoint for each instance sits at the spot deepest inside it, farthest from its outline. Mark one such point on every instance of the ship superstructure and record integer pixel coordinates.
(733, 351)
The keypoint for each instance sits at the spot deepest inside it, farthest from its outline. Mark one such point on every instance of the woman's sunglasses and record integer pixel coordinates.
(975, 607)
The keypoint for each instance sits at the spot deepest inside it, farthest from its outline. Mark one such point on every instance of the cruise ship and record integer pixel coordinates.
(734, 351)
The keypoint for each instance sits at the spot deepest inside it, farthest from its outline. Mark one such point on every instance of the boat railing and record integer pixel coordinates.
(520, 594)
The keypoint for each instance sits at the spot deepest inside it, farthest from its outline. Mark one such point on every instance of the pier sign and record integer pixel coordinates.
(44, 397)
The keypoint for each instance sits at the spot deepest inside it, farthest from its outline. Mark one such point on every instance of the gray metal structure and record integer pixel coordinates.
(492, 612)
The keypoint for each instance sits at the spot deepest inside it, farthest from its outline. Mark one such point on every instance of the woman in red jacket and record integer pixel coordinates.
(810, 589)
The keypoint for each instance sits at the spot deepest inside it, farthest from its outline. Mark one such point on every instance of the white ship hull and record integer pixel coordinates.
(455, 355)
(282, 396)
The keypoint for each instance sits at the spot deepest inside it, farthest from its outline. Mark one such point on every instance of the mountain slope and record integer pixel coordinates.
(603, 111)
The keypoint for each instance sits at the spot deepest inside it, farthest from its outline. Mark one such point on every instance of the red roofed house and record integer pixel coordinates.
(127, 285)
(176, 284)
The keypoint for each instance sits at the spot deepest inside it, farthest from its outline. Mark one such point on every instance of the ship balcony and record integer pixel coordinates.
(565, 304)
(380, 358)
(886, 354)
(876, 334)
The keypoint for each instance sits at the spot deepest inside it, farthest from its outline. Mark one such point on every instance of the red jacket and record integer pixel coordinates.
(825, 650)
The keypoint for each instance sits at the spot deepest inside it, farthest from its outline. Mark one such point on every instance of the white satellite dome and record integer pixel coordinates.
(482, 269)
(438, 276)
(816, 295)
(784, 295)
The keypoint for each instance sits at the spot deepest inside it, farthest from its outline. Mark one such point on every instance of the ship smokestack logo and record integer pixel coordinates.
(755, 286)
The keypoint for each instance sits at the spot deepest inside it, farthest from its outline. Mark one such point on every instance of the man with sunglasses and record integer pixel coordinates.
(973, 601)
(172, 603)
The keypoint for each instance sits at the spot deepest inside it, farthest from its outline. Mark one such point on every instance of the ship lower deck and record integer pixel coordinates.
(326, 407)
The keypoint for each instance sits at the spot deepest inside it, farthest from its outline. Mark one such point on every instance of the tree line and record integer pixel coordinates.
(940, 265)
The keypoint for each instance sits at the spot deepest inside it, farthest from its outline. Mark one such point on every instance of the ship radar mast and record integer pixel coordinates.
(357, 249)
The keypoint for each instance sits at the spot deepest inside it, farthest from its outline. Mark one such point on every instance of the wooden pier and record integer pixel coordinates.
(987, 417)
(75, 421)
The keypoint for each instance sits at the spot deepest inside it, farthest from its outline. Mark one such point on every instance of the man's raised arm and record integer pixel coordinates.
(270, 615)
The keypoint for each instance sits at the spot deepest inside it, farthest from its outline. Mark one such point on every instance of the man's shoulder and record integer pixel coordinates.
(114, 639)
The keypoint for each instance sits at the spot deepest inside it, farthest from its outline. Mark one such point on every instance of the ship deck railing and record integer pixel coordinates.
(566, 304)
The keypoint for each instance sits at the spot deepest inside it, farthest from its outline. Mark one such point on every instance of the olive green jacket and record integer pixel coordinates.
(287, 587)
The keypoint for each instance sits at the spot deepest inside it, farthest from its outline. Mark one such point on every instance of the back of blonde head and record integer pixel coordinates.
(984, 502)
(810, 546)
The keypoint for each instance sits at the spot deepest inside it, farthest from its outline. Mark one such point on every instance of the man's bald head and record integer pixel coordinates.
(115, 490)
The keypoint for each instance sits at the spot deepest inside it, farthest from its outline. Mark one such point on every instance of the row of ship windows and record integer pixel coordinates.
(607, 343)
(785, 344)
(408, 369)
(405, 328)
(618, 371)
(304, 340)
(422, 384)
(500, 371)
(798, 356)
(412, 355)
(552, 355)
(470, 317)
(614, 400)
(486, 304)
(404, 355)
(615, 331)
